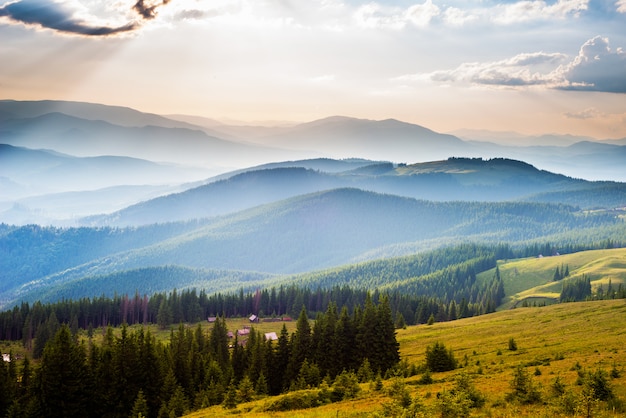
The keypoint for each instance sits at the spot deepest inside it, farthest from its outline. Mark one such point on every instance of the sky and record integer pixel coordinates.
(532, 67)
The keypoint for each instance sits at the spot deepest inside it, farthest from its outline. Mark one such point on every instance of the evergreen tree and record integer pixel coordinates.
(300, 345)
(345, 342)
(388, 349)
(245, 391)
(62, 377)
(140, 407)
(218, 343)
(164, 315)
(438, 359)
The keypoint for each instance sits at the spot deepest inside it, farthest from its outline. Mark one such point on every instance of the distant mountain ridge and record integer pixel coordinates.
(456, 179)
(224, 146)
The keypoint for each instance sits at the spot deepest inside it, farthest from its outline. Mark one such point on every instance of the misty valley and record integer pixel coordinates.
(161, 266)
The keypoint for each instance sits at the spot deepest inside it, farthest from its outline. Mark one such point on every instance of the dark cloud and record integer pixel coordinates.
(147, 9)
(55, 16)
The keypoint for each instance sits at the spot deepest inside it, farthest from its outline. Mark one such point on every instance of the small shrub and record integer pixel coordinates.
(558, 387)
(599, 384)
(615, 374)
(426, 378)
(438, 359)
(465, 385)
(452, 405)
(399, 393)
(346, 386)
(512, 344)
(524, 389)
(303, 399)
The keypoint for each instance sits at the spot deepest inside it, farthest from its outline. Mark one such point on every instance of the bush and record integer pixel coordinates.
(346, 386)
(524, 389)
(512, 344)
(465, 385)
(453, 405)
(438, 359)
(599, 385)
(295, 400)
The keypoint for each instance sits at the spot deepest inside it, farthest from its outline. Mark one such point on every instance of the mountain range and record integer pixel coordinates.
(142, 202)
(55, 147)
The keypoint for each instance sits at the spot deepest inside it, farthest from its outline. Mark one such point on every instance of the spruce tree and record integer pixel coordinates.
(140, 407)
(62, 377)
(388, 353)
(300, 345)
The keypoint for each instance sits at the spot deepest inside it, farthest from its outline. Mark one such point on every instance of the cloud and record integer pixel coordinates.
(375, 16)
(590, 113)
(421, 14)
(524, 11)
(147, 9)
(596, 68)
(457, 17)
(520, 70)
(63, 16)
(621, 6)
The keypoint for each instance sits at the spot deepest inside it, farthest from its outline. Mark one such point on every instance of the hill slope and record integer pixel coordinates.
(450, 180)
(300, 234)
(558, 341)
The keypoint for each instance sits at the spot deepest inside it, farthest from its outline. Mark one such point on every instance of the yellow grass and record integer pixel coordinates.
(532, 277)
(554, 339)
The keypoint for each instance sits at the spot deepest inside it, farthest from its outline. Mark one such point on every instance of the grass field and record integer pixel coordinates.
(532, 278)
(553, 341)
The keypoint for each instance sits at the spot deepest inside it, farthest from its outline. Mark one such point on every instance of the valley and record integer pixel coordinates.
(122, 232)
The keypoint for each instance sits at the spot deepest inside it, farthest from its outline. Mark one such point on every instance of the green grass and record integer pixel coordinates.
(531, 278)
(555, 339)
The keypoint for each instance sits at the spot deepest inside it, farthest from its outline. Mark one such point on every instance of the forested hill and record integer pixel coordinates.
(300, 234)
(454, 179)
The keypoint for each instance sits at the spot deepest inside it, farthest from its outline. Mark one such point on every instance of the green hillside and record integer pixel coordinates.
(532, 279)
(561, 341)
(301, 234)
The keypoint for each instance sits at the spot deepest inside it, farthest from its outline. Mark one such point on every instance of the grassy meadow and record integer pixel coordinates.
(531, 279)
(552, 341)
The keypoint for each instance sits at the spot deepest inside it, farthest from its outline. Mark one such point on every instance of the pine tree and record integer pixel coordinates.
(164, 315)
(140, 407)
(300, 345)
(245, 391)
(345, 343)
(62, 377)
(438, 359)
(388, 353)
(218, 343)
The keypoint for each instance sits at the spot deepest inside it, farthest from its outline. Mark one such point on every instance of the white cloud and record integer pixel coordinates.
(596, 68)
(375, 16)
(621, 6)
(520, 70)
(421, 14)
(457, 17)
(524, 11)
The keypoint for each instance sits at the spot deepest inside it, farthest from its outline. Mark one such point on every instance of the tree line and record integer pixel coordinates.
(461, 296)
(133, 373)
